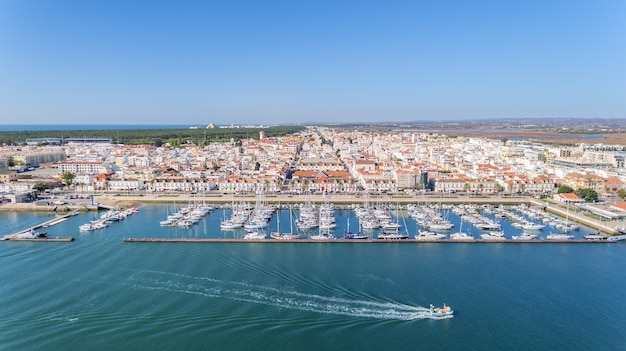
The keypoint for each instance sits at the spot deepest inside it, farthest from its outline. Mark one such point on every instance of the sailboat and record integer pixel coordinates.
(460, 235)
(285, 236)
(354, 236)
(395, 235)
(326, 235)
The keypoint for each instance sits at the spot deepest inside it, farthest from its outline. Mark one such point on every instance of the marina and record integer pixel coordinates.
(199, 277)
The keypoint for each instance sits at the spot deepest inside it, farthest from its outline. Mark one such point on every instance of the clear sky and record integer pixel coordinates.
(270, 62)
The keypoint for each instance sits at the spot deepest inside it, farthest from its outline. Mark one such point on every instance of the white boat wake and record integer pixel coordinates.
(270, 296)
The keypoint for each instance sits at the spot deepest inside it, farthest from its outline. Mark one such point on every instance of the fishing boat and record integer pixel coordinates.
(441, 311)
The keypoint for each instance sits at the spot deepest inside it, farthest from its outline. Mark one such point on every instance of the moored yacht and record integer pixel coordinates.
(392, 236)
(525, 236)
(461, 236)
(426, 235)
(595, 236)
(493, 235)
(559, 236)
(254, 234)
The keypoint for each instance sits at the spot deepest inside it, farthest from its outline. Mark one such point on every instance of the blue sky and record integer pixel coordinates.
(271, 62)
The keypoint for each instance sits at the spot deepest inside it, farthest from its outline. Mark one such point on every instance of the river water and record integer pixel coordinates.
(100, 293)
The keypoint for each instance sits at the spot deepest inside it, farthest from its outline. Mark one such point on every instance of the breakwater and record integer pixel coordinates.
(368, 241)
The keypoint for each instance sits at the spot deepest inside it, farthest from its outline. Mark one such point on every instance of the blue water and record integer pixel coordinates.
(99, 293)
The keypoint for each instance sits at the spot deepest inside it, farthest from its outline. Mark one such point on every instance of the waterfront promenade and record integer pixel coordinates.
(129, 200)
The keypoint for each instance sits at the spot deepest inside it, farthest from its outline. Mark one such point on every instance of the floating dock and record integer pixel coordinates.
(370, 241)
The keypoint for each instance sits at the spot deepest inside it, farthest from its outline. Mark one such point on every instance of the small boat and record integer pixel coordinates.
(428, 235)
(525, 236)
(461, 236)
(441, 311)
(559, 236)
(254, 235)
(31, 234)
(493, 235)
(596, 236)
(355, 236)
(533, 226)
(285, 236)
(392, 236)
(323, 236)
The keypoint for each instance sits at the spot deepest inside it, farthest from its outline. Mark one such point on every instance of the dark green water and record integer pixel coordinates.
(99, 293)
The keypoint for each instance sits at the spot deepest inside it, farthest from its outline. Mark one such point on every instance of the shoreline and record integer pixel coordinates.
(125, 201)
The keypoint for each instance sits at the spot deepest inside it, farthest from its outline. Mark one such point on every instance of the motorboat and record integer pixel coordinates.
(595, 236)
(533, 226)
(441, 311)
(323, 236)
(461, 236)
(428, 235)
(559, 236)
(525, 236)
(229, 224)
(285, 236)
(493, 235)
(254, 235)
(392, 236)
(31, 234)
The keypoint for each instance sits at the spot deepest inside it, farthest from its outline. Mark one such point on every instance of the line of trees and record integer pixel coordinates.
(157, 137)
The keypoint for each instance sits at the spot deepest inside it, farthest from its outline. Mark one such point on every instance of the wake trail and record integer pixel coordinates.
(271, 296)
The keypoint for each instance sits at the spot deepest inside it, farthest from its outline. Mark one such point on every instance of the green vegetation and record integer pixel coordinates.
(68, 178)
(158, 137)
(589, 195)
(40, 187)
(621, 193)
(564, 189)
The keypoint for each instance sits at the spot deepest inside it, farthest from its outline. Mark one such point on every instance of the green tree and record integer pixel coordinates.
(67, 178)
(40, 187)
(564, 189)
(621, 193)
(589, 195)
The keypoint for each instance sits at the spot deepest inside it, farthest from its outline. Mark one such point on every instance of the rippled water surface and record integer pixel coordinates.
(99, 293)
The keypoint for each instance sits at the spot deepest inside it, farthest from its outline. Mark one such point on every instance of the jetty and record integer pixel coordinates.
(367, 241)
(46, 224)
(44, 239)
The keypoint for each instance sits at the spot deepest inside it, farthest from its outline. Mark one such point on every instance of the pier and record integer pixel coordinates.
(49, 223)
(45, 239)
(368, 241)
